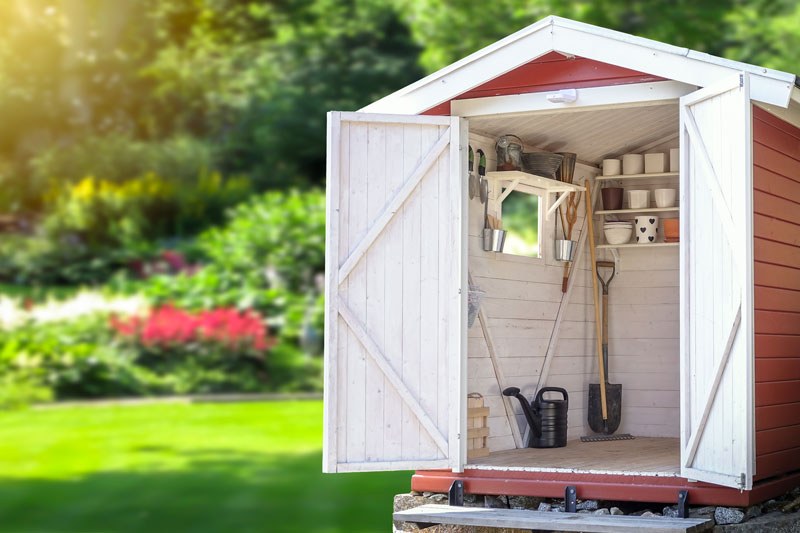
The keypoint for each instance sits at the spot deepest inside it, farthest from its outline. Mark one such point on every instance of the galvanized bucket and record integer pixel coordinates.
(565, 250)
(493, 239)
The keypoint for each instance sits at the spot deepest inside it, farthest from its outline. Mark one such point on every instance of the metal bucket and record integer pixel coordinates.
(493, 239)
(565, 250)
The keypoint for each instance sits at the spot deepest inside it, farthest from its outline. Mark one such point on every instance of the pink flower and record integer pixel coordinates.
(168, 326)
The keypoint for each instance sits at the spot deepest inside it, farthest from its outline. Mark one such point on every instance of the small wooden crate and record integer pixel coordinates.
(477, 427)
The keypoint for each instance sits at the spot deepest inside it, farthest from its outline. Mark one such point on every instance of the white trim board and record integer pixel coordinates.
(590, 99)
(570, 37)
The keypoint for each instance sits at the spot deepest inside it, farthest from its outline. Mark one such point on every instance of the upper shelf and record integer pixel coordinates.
(531, 180)
(638, 176)
(642, 210)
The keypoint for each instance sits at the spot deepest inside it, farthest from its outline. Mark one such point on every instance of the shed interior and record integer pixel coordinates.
(524, 314)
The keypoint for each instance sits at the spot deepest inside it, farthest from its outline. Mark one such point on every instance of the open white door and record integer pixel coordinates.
(717, 401)
(395, 316)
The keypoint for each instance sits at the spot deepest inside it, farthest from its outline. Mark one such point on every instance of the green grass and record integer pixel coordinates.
(166, 467)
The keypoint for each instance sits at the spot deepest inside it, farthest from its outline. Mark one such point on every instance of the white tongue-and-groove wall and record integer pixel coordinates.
(521, 304)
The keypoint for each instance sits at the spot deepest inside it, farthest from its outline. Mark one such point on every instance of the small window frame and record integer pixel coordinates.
(543, 226)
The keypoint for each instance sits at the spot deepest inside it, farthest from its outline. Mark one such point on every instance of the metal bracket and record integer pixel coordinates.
(455, 496)
(683, 509)
(570, 499)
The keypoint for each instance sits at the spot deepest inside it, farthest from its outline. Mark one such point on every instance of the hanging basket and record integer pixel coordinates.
(474, 299)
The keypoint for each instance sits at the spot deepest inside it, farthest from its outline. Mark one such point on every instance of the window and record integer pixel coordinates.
(520, 216)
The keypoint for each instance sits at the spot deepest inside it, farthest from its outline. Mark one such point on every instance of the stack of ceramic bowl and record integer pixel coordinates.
(617, 232)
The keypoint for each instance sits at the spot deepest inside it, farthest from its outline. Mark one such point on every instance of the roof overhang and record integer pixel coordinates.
(568, 37)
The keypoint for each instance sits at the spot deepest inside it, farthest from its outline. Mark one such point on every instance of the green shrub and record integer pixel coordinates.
(97, 226)
(119, 158)
(269, 257)
(75, 358)
(18, 389)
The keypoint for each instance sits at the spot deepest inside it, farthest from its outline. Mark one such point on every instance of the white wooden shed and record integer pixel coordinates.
(705, 333)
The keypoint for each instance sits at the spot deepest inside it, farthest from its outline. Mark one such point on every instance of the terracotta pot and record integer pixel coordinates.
(672, 229)
(612, 198)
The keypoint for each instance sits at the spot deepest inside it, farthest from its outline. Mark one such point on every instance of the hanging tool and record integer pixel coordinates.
(484, 187)
(566, 173)
(473, 180)
(610, 424)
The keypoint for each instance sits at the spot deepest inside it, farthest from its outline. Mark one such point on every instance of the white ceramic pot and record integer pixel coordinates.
(612, 167)
(665, 197)
(646, 229)
(638, 199)
(632, 164)
(618, 233)
(654, 163)
(674, 159)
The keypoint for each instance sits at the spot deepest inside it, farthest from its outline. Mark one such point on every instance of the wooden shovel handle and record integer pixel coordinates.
(597, 326)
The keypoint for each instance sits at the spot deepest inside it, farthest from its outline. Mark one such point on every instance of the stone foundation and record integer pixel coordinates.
(781, 515)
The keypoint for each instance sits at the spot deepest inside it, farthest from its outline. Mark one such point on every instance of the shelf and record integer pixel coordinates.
(634, 211)
(636, 245)
(510, 180)
(638, 176)
(531, 180)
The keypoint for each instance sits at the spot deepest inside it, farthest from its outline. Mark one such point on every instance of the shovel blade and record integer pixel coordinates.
(614, 408)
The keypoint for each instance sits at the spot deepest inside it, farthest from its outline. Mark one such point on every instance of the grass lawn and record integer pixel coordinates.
(225, 467)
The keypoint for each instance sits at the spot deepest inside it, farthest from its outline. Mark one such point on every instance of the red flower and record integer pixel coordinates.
(168, 326)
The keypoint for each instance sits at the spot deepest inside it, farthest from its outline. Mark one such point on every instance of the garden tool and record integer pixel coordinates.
(608, 422)
(473, 179)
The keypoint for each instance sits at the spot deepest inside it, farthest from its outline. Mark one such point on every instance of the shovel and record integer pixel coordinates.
(605, 424)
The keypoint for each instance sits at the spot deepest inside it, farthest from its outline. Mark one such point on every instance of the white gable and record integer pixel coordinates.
(556, 34)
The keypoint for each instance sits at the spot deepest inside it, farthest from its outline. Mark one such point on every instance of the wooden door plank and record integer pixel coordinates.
(697, 432)
(391, 208)
(376, 354)
(723, 209)
(330, 356)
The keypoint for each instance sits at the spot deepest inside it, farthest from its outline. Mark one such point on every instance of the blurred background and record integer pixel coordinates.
(162, 167)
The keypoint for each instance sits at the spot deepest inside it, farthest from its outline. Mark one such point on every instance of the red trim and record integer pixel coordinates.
(602, 487)
(550, 72)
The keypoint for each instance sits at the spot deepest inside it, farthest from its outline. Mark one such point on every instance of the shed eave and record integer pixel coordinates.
(570, 37)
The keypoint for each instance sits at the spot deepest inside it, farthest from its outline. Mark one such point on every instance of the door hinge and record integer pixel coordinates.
(742, 481)
(741, 80)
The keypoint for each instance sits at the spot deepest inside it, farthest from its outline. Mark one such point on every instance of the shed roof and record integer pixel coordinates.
(569, 37)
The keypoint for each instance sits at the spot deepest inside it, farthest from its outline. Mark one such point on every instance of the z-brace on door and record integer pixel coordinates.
(717, 399)
(395, 315)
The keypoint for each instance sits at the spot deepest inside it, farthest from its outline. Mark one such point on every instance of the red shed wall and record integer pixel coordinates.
(776, 202)
(549, 72)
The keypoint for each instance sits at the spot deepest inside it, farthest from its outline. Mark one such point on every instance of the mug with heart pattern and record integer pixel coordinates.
(646, 229)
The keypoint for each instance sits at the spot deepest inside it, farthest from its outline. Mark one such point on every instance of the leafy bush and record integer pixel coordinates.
(75, 358)
(96, 226)
(269, 257)
(17, 390)
(119, 158)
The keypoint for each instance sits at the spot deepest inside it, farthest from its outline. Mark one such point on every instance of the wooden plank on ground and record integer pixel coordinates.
(522, 519)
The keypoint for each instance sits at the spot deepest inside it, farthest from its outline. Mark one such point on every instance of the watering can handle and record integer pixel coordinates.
(550, 389)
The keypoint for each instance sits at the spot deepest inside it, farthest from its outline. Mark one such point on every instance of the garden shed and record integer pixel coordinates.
(703, 333)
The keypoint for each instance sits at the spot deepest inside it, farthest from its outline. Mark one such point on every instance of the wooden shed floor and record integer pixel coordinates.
(642, 455)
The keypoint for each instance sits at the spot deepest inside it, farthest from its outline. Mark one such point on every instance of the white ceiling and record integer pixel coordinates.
(593, 135)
